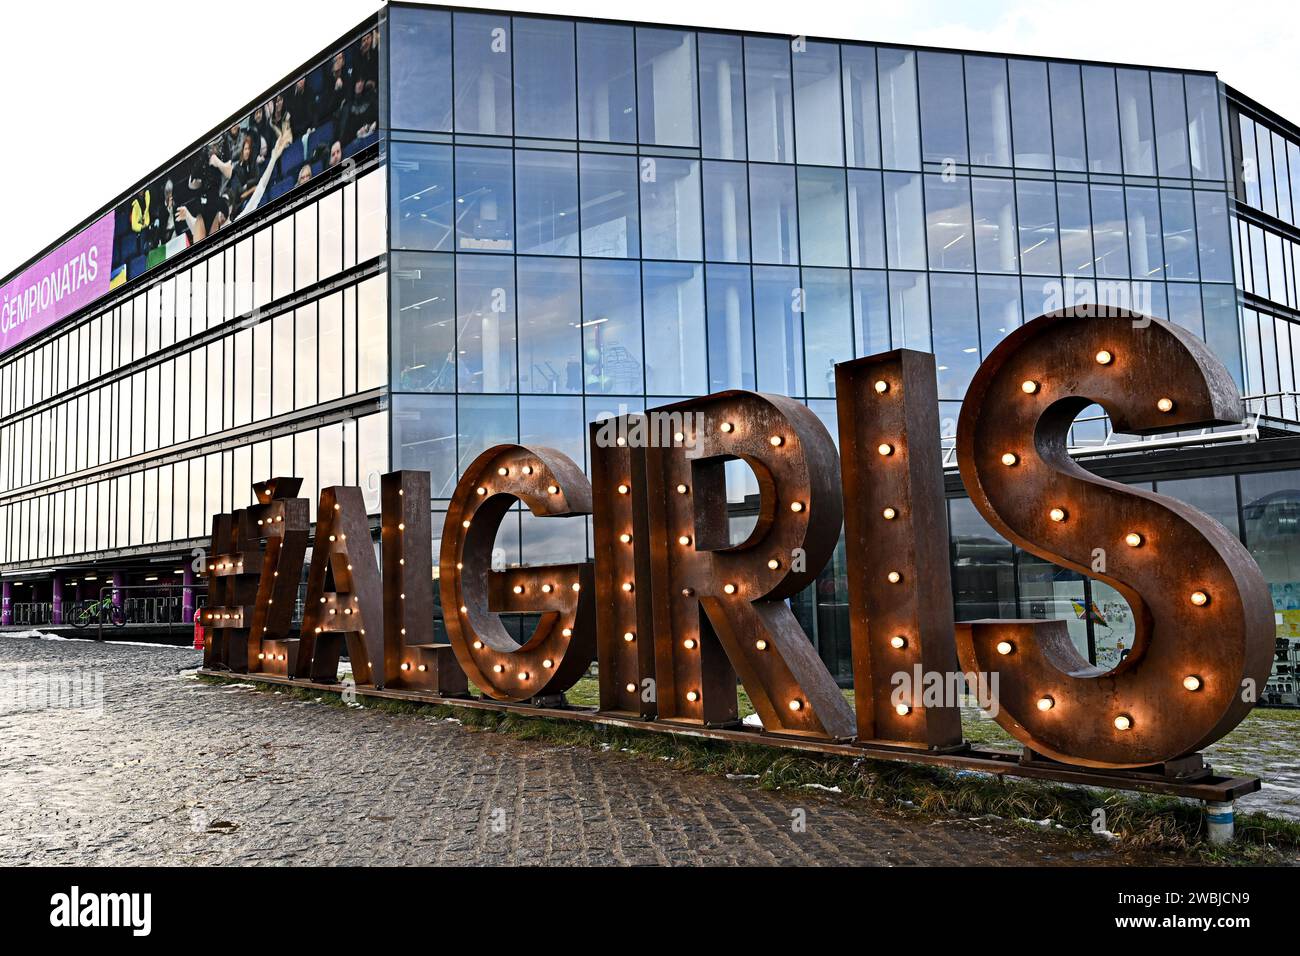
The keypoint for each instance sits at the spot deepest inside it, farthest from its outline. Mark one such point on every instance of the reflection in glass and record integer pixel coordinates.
(948, 223)
(606, 83)
(774, 233)
(731, 328)
(819, 133)
(423, 310)
(778, 326)
(610, 221)
(546, 202)
(722, 96)
(822, 225)
(485, 324)
(726, 212)
(545, 92)
(904, 221)
(769, 107)
(870, 312)
(484, 200)
(666, 87)
(861, 111)
(483, 73)
(1137, 129)
(900, 137)
(956, 332)
(828, 327)
(421, 197)
(1067, 116)
(1102, 123)
(424, 438)
(994, 208)
(674, 328)
(420, 61)
(670, 208)
(550, 342)
(987, 109)
(943, 116)
(1031, 114)
(866, 220)
(611, 327)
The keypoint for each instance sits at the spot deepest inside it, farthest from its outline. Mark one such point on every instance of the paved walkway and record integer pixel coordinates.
(175, 771)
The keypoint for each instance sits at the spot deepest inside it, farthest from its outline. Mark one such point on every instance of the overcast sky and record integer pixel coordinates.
(99, 94)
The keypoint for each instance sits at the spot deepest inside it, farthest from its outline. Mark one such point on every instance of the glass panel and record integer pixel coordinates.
(861, 111)
(983, 566)
(666, 91)
(424, 438)
(484, 200)
(554, 422)
(483, 73)
(545, 91)
(774, 233)
(722, 96)
(956, 333)
(1185, 306)
(481, 422)
(546, 202)
(674, 328)
(822, 224)
(943, 116)
(1212, 236)
(1102, 120)
(1067, 116)
(610, 221)
(1073, 204)
(900, 137)
(1108, 232)
(999, 307)
(1031, 113)
(1171, 124)
(1136, 126)
(987, 110)
(1203, 126)
(1180, 234)
(670, 209)
(768, 100)
(819, 133)
(948, 223)
(778, 326)
(1144, 234)
(611, 325)
(909, 310)
(423, 310)
(420, 65)
(606, 83)
(904, 221)
(866, 220)
(485, 310)
(870, 312)
(828, 326)
(422, 196)
(994, 206)
(726, 212)
(731, 328)
(550, 358)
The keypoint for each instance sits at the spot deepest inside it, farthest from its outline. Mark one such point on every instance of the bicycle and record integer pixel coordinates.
(92, 612)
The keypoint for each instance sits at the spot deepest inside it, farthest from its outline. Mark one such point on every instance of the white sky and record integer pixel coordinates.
(99, 94)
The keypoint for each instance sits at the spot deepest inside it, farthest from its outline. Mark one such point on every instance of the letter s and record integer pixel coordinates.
(1202, 612)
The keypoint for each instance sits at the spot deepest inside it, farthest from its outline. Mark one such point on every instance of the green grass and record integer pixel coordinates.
(1137, 820)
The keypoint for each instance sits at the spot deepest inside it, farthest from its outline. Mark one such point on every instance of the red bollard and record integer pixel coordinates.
(198, 631)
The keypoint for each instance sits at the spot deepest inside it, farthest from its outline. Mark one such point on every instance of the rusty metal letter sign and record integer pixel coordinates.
(675, 610)
(741, 588)
(1204, 620)
(897, 541)
(562, 646)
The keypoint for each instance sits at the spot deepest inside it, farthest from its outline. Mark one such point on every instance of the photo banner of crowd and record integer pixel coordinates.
(315, 123)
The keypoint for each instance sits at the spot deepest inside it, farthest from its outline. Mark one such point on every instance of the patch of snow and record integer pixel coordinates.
(822, 786)
(752, 720)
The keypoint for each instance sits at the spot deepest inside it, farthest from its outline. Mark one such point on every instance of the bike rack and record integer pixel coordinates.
(168, 589)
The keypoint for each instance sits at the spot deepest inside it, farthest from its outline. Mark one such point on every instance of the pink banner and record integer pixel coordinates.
(71, 277)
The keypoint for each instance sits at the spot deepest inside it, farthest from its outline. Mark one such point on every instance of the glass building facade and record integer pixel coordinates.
(570, 218)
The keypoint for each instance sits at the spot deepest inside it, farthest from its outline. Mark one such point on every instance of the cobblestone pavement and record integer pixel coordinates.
(175, 771)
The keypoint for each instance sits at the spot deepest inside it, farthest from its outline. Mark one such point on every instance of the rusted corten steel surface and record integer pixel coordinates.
(1203, 616)
(746, 627)
(250, 601)
(625, 648)
(896, 540)
(345, 601)
(563, 645)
